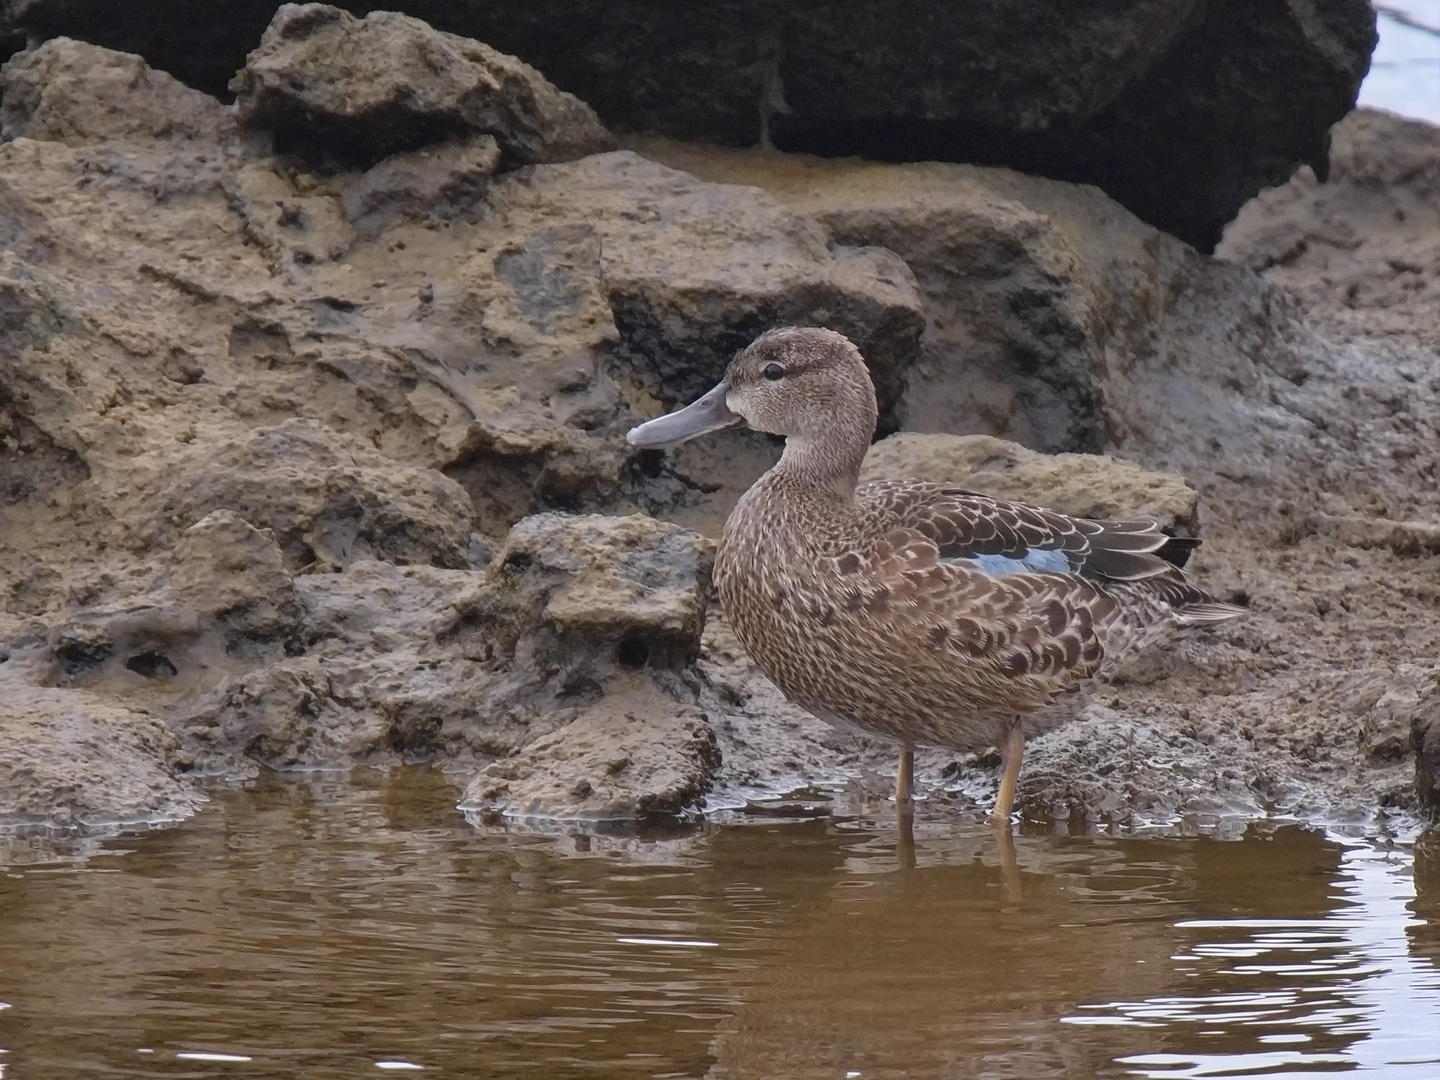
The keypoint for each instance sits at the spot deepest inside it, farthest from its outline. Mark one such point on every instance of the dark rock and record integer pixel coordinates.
(1181, 110)
(363, 89)
(201, 42)
(80, 646)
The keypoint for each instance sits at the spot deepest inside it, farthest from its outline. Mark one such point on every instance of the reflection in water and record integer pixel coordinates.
(1319, 988)
(331, 929)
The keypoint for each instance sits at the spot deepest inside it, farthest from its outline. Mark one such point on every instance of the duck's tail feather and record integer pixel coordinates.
(1211, 611)
(1176, 549)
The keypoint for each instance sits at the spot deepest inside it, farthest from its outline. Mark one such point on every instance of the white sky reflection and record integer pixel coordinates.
(1353, 976)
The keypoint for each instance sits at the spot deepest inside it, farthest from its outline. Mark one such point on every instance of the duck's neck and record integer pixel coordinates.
(829, 467)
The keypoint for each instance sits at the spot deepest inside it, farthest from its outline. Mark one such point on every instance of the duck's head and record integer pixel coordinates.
(805, 383)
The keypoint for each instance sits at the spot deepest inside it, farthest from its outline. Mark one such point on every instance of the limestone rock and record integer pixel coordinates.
(108, 649)
(1181, 111)
(286, 717)
(211, 379)
(82, 644)
(225, 568)
(327, 503)
(446, 179)
(1105, 765)
(579, 597)
(684, 307)
(634, 755)
(289, 227)
(224, 598)
(1385, 729)
(71, 91)
(79, 760)
(577, 616)
(1081, 485)
(363, 675)
(1066, 304)
(1406, 538)
(620, 288)
(367, 88)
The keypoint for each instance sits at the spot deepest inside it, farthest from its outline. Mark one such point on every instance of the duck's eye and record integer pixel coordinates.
(773, 371)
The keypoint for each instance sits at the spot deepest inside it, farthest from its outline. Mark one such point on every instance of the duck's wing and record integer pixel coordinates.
(1030, 593)
(1002, 538)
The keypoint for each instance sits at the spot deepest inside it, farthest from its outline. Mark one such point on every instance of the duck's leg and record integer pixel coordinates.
(905, 807)
(905, 778)
(1012, 748)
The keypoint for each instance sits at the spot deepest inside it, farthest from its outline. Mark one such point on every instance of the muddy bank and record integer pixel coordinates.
(308, 462)
(1361, 252)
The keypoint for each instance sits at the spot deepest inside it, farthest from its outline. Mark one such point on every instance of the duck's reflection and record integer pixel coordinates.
(1424, 934)
(939, 970)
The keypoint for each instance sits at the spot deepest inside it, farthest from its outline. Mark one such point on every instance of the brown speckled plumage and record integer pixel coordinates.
(911, 610)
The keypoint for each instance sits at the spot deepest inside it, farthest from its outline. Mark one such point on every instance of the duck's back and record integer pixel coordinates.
(928, 613)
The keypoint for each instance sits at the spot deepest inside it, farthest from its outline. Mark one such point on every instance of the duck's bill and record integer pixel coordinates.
(706, 414)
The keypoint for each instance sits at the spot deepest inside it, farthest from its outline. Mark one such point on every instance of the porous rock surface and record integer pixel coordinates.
(1180, 110)
(76, 761)
(1081, 485)
(305, 464)
(366, 88)
(69, 93)
(1054, 318)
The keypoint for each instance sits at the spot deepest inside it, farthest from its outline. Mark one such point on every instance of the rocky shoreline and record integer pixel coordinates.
(311, 441)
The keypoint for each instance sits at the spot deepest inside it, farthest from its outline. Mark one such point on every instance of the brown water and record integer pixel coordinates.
(338, 929)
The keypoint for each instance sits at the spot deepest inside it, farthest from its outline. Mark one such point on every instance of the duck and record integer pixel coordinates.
(918, 612)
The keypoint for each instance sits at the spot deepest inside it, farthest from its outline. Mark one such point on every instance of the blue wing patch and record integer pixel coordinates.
(1034, 559)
